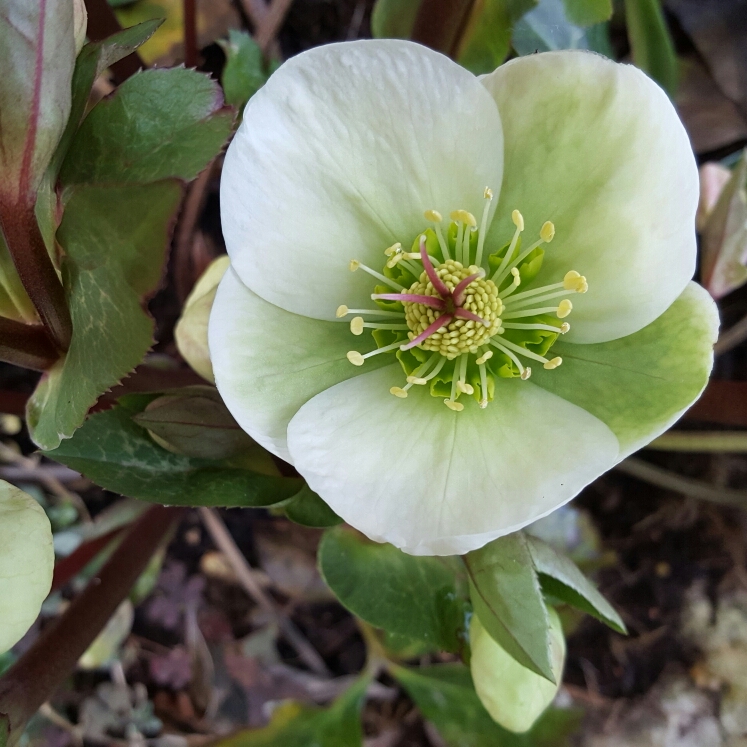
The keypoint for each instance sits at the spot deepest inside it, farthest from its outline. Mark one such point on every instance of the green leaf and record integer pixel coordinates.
(244, 73)
(157, 124)
(548, 28)
(39, 55)
(115, 453)
(561, 578)
(93, 59)
(26, 562)
(110, 262)
(296, 725)
(394, 19)
(651, 42)
(506, 596)
(487, 38)
(446, 696)
(308, 509)
(588, 12)
(417, 597)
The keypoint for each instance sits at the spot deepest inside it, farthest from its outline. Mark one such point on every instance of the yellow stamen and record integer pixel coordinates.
(576, 282)
(488, 193)
(356, 325)
(398, 392)
(518, 220)
(456, 406)
(564, 308)
(433, 216)
(464, 217)
(416, 380)
(355, 358)
(341, 311)
(486, 356)
(354, 265)
(547, 232)
(554, 363)
(525, 374)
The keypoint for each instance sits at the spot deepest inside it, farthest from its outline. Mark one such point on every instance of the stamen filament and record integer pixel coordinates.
(521, 303)
(548, 327)
(357, 358)
(431, 329)
(523, 351)
(373, 325)
(483, 225)
(344, 311)
(531, 312)
(442, 242)
(438, 284)
(525, 373)
(483, 386)
(536, 291)
(432, 301)
(355, 264)
(458, 247)
(465, 246)
(499, 278)
(518, 221)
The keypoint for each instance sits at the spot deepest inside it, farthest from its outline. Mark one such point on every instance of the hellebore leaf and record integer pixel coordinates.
(111, 261)
(117, 454)
(296, 725)
(26, 562)
(308, 509)
(588, 12)
(93, 59)
(245, 72)
(157, 124)
(38, 46)
(446, 696)
(639, 385)
(725, 236)
(394, 19)
(487, 38)
(506, 596)
(547, 27)
(560, 577)
(651, 42)
(416, 597)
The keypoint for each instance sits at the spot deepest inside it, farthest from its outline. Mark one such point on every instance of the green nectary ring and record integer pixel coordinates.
(449, 303)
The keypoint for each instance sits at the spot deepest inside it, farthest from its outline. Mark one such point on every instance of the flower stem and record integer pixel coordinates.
(26, 345)
(42, 669)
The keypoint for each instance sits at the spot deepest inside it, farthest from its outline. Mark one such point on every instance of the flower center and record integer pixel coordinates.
(453, 317)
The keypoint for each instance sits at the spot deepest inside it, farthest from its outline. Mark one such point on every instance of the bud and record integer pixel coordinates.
(80, 24)
(512, 694)
(194, 422)
(191, 329)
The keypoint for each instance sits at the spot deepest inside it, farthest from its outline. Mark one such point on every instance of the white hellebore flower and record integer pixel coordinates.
(442, 192)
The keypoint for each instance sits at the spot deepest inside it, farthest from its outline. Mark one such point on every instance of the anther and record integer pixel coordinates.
(547, 232)
(417, 380)
(554, 363)
(484, 358)
(488, 193)
(393, 249)
(433, 216)
(355, 358)
(564, 327)
(564, 308)
(452, 405)
(464, 217)
(518, 219)
(398, 392)
(354, 265)
(525, 374)
(341, 311)
(356, 325)
(576, 282)
(465, 388)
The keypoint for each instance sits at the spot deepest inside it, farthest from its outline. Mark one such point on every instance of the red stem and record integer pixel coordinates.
(190, 33)
(26, 345)
(35, 677)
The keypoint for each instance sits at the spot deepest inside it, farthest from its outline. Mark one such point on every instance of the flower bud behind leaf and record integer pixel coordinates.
(512, 694)
(194, 423)
(191, 329)
(80, 24)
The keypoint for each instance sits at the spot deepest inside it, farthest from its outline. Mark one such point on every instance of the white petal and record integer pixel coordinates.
(435, 482)
(267, 362)
(337, 158)
(597, 148)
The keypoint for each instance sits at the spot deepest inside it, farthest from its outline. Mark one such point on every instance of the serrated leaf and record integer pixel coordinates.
(308, 509)
(26, 562)
(507, 598)
(110, 262)
(651, 42)
(157, 124)
(394, 19)
(115, 453)
(588, 12)
(296, 725)
(417, 597)
(244, 73)
(93, 59)
(446, 696)
(547, 28)
(39, 54)
(561, 578)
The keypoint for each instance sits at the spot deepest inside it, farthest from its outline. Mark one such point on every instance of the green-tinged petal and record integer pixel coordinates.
(337, 158)
(639, 385)
(436, 482)
(597, 148)
(512, 694)
(267, 362)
